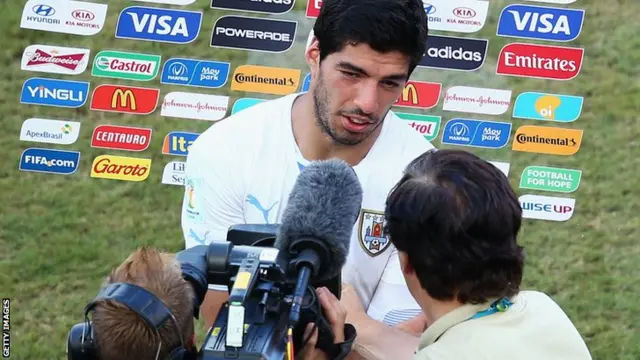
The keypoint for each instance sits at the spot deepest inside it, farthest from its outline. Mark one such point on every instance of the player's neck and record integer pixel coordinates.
(314, 144)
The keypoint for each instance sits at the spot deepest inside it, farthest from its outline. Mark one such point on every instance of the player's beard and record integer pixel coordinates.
(323, 114)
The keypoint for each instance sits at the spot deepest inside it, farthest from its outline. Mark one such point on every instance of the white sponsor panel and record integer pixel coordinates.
(55, 59)
(173, 173)
(477, 100)
(64, 16)
(465, 16)
(503, 166)
(547, 207)
(169, 2)
(50, 131)
(564, 2)
(194, 106)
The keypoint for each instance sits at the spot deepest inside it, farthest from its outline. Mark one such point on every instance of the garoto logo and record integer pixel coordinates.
(454, 53)
(260, 6)
(199, 73)
(540, 22)
(156, 24)
(247, 33)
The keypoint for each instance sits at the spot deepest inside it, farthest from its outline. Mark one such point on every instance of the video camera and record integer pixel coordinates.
(253, 323)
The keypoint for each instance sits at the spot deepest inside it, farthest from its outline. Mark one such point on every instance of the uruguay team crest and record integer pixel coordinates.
(371, 234)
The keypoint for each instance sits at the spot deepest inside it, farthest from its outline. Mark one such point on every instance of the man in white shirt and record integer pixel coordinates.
(242, 168)
(455, 219)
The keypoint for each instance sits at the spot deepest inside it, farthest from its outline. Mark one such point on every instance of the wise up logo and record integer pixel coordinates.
(540, 22)
(476, 133)
(49, 161)
(156, 24)
(549, 107)
(454, 53)
(549, 208)
(53, 92)
(192, 72)
(257, 34)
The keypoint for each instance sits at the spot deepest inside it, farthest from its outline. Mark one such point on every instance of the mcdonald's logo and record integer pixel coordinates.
(419, 94)
(125, 99)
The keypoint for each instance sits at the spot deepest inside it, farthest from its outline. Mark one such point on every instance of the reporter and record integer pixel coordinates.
(121, 334)
(455, 219)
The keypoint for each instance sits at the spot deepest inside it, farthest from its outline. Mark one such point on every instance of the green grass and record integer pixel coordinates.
(60, 235)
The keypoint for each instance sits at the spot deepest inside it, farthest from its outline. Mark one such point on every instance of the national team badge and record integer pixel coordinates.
(372, 236)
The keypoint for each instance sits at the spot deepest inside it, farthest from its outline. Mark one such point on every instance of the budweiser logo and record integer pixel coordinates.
(40, 57)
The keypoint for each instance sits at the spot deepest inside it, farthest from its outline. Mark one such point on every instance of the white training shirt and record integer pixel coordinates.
(242, 169)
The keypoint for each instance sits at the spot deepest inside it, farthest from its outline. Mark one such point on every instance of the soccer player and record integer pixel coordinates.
(242, 168)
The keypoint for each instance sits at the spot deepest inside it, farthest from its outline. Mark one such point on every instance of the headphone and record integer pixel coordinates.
(81, 343)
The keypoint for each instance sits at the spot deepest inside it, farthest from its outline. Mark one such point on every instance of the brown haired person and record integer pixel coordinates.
(455, 219)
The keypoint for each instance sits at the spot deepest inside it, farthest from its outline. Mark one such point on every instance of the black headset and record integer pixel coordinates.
(81, 344)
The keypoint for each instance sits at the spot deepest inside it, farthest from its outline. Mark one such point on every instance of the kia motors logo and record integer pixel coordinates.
(121, 137)
(83, 15)
(124, 99)
(465, 16)
(464, 12)
(64, 16)
(259, 6)
(454, 53)
(540, 22)
(540, 61)
(257, 34)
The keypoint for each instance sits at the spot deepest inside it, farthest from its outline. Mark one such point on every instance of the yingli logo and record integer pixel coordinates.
(121, 138)
(125, 99)
(540, 61)
(120, 168)
(419, 94)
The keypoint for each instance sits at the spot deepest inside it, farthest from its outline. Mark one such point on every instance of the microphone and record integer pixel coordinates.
(317, 223)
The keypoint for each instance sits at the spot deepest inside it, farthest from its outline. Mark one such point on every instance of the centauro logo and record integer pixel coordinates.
(547, 140)
(120, 168)
(265, 79)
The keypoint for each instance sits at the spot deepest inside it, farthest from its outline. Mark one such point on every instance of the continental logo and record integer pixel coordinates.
(120, 168)
(125, 99)
(265, 79)
(419, 94)
(547, 140)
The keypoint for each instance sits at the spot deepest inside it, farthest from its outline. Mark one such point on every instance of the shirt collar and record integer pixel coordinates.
(449, 320)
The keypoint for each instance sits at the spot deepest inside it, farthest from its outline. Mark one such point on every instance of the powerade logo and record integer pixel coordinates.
(156, 24)
(454, 53)
(52, 92)
(49, 161)
(199, 73)
(178, 143)
(257, 34)
(540, 22)
(477, 133)
(549, 107)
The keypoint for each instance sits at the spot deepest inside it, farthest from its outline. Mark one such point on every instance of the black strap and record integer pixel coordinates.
(340, 350)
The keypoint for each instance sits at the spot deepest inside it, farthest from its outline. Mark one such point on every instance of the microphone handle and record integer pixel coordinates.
(298, 294)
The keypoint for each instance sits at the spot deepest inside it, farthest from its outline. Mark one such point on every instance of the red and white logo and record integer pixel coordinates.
(313, 8)
(195, 106)
(419, 94)
(55, 59)
(465, 16)
(540, 61)
(121, 137)
(477, 100)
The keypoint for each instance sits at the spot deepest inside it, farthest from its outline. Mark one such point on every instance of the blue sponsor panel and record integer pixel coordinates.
(156, 24)
(540, 22)
(477, 133)
(199, 73)
(49, 161)
(306, 82)
(54, 92)
(244, 103)
(549, 107)
(178, 143)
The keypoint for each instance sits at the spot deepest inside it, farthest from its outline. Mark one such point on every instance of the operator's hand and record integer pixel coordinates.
(310, 351)
(335, 314)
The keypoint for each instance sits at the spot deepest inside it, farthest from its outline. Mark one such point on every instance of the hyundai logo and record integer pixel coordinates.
(428, 8)
(44, 10)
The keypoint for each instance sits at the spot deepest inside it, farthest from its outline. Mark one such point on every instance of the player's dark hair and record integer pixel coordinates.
(385, 25)
(457, 218)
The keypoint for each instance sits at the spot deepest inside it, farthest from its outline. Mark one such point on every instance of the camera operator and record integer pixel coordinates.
(121, 334)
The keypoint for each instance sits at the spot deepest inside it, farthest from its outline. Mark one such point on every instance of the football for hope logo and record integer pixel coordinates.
(265, 79)
(426, 125)
(55, 59)
(120, 168)
(158, 24)
(540, 61)
(465, 16)
(256, 34)
(125, 99)
(549, 107)
(540, 22)
(121, 137)
(546, 178)
(547, 140)
(547, 207)
(419, 94)
(454, 53)
(126, 65)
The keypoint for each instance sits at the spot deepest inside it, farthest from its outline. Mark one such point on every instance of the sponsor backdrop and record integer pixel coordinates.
(113, 94)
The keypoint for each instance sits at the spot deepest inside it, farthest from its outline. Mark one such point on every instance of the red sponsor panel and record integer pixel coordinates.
(69, 61)
(125, 99)
(313, 8)
(540, 61)
(419, 94)
(121, 137)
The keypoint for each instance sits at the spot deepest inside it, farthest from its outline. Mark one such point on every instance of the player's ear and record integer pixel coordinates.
(312, 55)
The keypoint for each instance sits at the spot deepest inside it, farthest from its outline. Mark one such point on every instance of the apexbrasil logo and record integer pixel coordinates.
(550, 179)
(125, 65)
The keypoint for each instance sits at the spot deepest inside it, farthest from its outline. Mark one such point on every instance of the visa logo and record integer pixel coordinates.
(178, 143)
(155, 24)
(53, 92)
(540, 22)
(49, 161)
